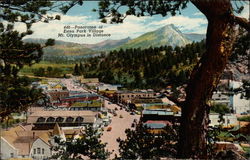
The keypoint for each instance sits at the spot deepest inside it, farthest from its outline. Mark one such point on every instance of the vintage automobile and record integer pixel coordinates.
(109, 129)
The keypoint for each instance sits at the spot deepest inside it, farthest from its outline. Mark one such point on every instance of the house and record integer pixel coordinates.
(238, 102)
(160, 114)
(107, 87)
(138, 102)
(220, 98)
(230, 120)
(156, 127)
(21, 143)
(95, 105)
(18, 142)
(79, 98)
(56, 86)
(57, 95)
(127, 96)
(90, 81)
(44, 120)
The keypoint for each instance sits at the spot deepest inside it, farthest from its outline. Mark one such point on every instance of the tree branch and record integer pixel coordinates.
(243, 22)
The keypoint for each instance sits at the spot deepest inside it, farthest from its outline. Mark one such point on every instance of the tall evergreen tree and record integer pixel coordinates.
(15, 91)
(89, 145)
(76, 70)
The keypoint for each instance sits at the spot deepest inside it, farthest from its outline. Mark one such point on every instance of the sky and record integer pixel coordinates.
(191, 20)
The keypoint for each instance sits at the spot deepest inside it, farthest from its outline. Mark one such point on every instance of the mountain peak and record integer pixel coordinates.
(166, 35)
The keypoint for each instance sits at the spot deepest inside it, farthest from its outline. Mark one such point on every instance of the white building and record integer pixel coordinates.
(221, 98)
(18, 142)
(238, 103)
(229, 119)
(107, 87)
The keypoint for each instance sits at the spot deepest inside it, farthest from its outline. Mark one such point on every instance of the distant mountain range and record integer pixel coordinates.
(107, 44)
(167, 35)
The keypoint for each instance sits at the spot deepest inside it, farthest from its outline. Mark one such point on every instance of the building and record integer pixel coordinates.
(230, 120)
(95, 105)
(238, 102)
(58, 95)
(160, 114)
(21, 143)
(44, 120)
(90, 81)
(18, 142)
(107, 87)
(156, 127)
(127, 96)
(79, 98)
(138, 102)
(56, 86)
(221, 98)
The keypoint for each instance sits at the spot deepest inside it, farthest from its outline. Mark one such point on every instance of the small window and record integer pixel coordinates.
(38, 150)
(11, 155)
(34, 151)
(69, 119)
(59, 119)
(42, 150)
(79, 119)
(50, 119)
(40, 119)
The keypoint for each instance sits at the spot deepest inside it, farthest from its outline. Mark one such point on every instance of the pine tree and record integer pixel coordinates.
(81, 69)
(16, 95)
(76, 70)
(89, 145)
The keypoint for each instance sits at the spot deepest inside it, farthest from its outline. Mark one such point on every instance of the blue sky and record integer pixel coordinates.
(190, 21)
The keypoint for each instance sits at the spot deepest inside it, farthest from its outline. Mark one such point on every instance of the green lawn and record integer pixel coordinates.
(27, 70)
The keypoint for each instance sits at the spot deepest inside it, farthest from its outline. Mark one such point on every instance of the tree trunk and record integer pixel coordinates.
(205, 77)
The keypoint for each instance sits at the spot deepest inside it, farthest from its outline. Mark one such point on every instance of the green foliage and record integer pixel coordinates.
(90, 145)
(241, 46)
(141, 144)
(145, 68)
(137, 8)
(29, 70)
(220, 108)
(49, 72)
(244, 118)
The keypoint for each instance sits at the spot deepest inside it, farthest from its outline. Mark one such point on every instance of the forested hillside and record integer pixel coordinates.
(144, 68)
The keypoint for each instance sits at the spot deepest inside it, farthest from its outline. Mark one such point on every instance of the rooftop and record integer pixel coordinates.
(62, 113)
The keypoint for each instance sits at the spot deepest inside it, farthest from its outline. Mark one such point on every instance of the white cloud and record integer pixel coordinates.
(131, 27)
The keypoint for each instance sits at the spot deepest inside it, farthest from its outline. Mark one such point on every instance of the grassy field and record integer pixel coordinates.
(67, 68)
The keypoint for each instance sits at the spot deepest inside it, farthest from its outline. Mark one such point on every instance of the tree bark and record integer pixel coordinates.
(205, 77)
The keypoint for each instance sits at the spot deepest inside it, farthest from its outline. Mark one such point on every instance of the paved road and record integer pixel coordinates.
(119, 125)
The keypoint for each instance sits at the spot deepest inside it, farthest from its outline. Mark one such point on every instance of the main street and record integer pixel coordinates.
(119, 123)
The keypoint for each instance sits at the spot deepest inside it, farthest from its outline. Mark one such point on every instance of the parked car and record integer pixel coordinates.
(109, 129)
